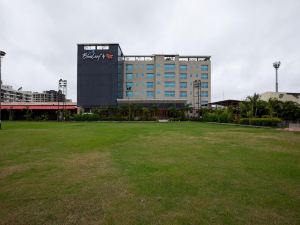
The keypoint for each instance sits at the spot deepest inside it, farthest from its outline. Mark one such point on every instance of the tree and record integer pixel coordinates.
(253, 103)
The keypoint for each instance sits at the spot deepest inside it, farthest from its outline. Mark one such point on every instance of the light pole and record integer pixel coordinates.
(62, 93)
(276, 66)
(2, 54)
(129, 109)
(197, 84)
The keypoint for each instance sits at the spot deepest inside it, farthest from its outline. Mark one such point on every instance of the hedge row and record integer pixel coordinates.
(261, 121)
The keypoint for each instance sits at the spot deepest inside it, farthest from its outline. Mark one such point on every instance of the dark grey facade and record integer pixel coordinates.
(99, 75)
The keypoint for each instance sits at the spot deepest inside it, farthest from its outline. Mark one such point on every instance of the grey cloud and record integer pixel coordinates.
(243, 37)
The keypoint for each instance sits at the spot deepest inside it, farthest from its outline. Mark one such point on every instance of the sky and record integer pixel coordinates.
(244, 38)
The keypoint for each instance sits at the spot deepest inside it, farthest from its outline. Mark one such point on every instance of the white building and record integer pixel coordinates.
(281, 96)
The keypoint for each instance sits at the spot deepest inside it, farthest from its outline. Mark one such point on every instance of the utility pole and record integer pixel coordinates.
(2, 54)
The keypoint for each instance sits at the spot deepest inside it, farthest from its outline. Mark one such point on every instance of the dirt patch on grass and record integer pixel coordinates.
(9, 170)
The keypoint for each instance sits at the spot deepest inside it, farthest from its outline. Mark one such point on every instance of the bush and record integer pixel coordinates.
(272, 122)
(218, 116)
(86, 117)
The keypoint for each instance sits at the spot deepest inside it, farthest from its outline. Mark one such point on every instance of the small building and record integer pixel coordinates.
(281, 96)
(225, 103)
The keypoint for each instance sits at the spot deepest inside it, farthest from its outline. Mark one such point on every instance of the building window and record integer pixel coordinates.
(183, 67)
(150, 94)
(158, 92)
(204, 93)
(204, 67)
(183, 85)
(129, 85)
(158, 82)
(129, 76)
(183, 76)
(169, 93)
(103, 47)
(204, 103)
(204, 76)
(170, 84)
(89, 47)
(183, 94)
(169, 67)
(150, 84)
(169, 75)
(150, 75)
(204, 85)
(129, 68)
(129, 93)
(150, 67)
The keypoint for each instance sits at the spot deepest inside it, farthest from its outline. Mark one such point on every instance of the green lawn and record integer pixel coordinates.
(147, 173)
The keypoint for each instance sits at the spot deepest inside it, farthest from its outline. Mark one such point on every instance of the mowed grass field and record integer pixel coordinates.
(147, 173)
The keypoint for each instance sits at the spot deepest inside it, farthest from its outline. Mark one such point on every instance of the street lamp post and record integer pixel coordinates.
(276, 66)
(129, 109)
(2, 54)
(197, 84)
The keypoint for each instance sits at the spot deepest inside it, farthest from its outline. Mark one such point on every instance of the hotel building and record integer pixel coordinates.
(105, 76)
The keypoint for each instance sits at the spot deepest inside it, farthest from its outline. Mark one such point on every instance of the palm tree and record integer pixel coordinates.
(253, 102)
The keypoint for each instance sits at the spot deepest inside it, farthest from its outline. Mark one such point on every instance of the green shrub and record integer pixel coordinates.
(86, 117)
(272, 122)
(218, 116)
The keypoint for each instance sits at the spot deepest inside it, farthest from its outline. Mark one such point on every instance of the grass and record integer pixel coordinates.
(147, 173)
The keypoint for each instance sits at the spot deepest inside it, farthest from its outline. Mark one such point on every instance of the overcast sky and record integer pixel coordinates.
(243, 37)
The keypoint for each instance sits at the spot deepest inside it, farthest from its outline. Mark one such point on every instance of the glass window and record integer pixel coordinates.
(150, 75)
(169, 93)
(183, 67)
(170, 84)
(183, 85)
(150, 66)
(150, 93)
(204, 102)
(129, 93)
(169, 75)
(158, 65)
(158, 82)
(204, 67)
(129, 76)
(129, 67)
(183, 76)
(158, 75)
(158, 92)
(183, 94)
(204, 93)
(150, 84)
(204, 85)
(129, 84)
(204, 76)
(170, 67)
